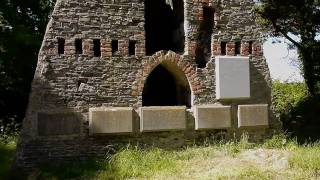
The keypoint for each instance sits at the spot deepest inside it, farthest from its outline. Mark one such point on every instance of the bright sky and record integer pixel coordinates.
(281, 61)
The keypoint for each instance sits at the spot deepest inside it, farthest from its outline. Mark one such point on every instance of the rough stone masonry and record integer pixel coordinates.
(149, 73)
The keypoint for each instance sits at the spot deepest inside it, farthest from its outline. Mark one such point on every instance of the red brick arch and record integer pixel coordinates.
(186, 67)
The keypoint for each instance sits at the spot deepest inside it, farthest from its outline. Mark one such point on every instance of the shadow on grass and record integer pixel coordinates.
(127, 163)
(83, 170)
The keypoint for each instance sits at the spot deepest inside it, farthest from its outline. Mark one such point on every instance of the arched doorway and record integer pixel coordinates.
(166, 86)
(164, 25)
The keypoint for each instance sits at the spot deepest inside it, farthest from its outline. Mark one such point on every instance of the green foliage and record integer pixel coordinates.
(233, 147)
(287, 95)
(8, 130)
(298, 111)
(277, 141)
(7, 151)
(300, 18)
(280, 141)
(304, 119)
(22, 26)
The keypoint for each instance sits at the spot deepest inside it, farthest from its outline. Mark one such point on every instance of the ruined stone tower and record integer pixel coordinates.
(153, 72)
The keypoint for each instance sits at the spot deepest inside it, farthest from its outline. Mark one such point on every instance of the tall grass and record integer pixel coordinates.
(307, 158)
(134, 162)
(234, 159)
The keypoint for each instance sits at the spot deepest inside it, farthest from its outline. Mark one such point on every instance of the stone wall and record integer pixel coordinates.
(73, 83)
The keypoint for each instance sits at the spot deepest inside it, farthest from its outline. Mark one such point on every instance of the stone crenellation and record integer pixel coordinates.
(94, 56)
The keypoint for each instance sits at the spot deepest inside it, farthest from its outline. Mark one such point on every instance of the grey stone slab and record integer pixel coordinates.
(52, 124)
(232, 77)
(164, 118)
(212, 117)
(253, 115)
(106, 120)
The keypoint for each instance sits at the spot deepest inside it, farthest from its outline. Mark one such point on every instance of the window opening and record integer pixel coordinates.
(250, 47)
(97, 47)
(223, 48)
(237, 48)
(203, 49)
(164, 26)
(78, 44)
(114, 47)
(61, 44)
(132, 47)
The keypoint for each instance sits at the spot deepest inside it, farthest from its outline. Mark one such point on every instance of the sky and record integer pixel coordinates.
(281, 61)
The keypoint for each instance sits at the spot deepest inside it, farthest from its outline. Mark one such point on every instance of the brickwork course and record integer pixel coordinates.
(71, 77)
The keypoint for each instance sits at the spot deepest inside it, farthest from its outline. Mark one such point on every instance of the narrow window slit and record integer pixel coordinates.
(114, 46)
(61, 44)
(223, 48)
(237, 48)
(132, 47)
(250, 47)
(78, 44)
(97, 47)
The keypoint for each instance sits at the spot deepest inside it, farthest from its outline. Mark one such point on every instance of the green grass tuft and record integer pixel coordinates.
(133, 163)
(247, 173)
(306, 158)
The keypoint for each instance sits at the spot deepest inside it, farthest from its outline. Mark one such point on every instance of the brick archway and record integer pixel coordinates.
(176, 61)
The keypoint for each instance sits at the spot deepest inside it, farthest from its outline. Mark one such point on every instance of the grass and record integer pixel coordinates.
(307, 158)
(7, 151)
(276, 158)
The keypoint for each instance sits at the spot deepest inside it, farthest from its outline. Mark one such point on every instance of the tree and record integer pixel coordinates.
(22, 26)
(299, 18)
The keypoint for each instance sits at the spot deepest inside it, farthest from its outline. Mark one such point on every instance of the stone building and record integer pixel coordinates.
(167, 73)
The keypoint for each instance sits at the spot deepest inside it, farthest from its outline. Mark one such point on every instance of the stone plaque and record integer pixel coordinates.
(253, 115)
(52, 124)
(164, 118)
(232, 77)
(212, 117)
(106, 120)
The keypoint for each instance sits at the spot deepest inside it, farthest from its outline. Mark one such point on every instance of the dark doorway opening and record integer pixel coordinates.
(164, 26)
(164, 88)
(203, 50)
